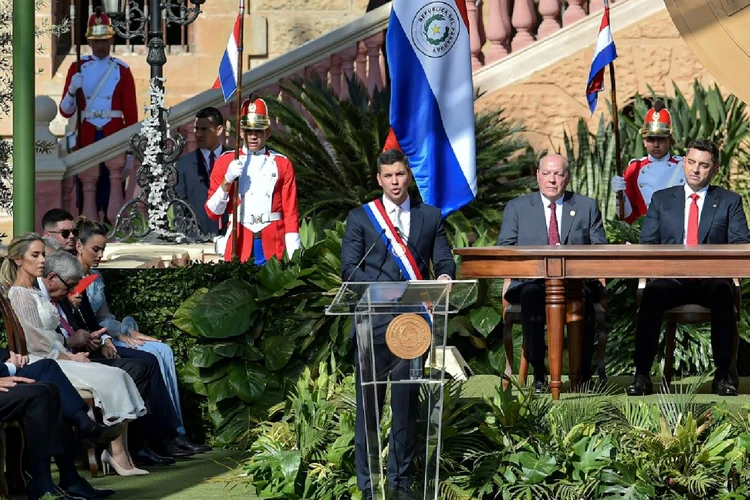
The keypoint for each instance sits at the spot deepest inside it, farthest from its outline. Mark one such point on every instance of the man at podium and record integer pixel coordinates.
(393, 238)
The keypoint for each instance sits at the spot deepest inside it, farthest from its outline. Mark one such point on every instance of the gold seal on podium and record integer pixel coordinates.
(408, 336)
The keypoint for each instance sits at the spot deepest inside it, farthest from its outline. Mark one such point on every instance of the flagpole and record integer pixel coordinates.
(237, 132)
(615, 124)
(77, 34)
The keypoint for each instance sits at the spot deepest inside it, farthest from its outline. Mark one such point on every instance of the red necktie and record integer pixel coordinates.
(554, 232)
(63, 322)
(692, 228)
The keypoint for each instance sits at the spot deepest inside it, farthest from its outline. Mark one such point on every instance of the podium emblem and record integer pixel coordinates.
(408, 336)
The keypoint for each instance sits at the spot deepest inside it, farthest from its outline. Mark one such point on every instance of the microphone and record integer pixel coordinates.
(416, 253)
(362, 260)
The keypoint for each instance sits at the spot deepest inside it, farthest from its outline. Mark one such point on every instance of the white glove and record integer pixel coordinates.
(618, 184)
(234, 170)
(76, 82)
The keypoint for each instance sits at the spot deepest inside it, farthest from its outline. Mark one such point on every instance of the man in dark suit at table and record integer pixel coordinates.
(694, 214)
(551, 216)
(194, 169)
(379, 238)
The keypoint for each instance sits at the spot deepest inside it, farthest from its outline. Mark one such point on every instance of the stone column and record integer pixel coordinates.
(550, 11)
(574, 12)
(373, 44)
(116, 166)
(348, 56)
(48, 166)
(498, 31)
(336, 63)
(475, 43)
(524, 21)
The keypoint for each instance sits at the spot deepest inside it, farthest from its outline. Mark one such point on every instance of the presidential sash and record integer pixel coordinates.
(397, 247)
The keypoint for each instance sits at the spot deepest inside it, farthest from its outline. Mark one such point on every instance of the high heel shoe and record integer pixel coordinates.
(108, 462)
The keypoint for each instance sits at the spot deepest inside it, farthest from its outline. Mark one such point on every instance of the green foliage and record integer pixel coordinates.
(255, 336)
(596, 446)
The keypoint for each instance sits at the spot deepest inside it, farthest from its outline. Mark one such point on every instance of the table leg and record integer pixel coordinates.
(555, 324)
(574, 319)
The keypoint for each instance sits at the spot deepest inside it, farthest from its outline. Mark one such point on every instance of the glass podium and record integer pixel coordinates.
(399, 328)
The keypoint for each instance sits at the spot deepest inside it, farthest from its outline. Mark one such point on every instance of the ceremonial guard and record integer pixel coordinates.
(659, 170)
(101, 88)
(267, 215)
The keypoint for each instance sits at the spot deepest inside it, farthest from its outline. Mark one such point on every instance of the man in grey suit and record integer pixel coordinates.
(194, 169)
(551, 216)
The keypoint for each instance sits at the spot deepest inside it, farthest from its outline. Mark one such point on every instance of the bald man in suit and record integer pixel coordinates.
(551, 216)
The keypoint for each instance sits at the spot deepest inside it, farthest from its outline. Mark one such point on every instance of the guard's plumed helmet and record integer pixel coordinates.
(254, 115)
(658, 122)
(100, 26)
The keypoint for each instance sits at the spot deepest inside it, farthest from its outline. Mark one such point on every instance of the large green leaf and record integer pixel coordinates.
(248, 380)
(485, 319)
(204, 356)
(228, 349)
(219, 390)
(225, 311)
(278, 351)
(190, 377)
(183, 316)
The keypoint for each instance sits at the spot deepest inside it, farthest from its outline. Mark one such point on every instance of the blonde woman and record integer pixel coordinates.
(115, 393)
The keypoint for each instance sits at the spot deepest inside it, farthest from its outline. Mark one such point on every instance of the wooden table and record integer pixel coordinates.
(564, 266)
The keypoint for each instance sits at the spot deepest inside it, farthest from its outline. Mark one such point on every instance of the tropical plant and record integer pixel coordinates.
(255, 338)
(518, 445)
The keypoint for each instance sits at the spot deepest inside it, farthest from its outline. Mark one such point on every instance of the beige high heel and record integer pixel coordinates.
(108, 462)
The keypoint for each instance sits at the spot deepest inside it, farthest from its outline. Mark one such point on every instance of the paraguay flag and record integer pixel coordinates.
(604, 54)
(432, 98)
(227, 79)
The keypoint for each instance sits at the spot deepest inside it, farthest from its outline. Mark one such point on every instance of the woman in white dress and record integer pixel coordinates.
(115, 393)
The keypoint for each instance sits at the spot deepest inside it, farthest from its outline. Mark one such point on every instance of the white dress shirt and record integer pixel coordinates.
(689, 201)
(207, 157)
(403, 212)
(548, 213)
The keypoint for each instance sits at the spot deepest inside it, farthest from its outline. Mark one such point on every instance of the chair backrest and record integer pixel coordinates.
(16, 337)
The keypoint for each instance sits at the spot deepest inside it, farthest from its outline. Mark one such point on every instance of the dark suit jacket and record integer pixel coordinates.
(427, 241)
(722, 218)
(192, 186)
(524, 223)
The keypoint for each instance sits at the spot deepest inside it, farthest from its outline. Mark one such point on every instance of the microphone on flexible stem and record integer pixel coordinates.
(362, 260)
(416, 253)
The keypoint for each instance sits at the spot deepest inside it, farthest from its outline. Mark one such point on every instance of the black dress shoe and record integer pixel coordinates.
(171, 449)
(97, 435)
(147, 456)
(724, 387)
(641, 386)
(83, 489)
(55, 493)
(539, 385)
(186, 444)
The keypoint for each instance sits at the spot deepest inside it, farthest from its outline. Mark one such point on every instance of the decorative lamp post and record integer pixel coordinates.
(154, 147)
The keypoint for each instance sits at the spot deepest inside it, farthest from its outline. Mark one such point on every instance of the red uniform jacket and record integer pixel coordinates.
(644, 176)
(117, 93)
(271, 188)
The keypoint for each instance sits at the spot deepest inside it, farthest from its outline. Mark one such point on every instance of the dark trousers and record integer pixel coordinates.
(402, 439)
(161, 421)
(37, 408)
(663, 294)
(47, 370)
(531, 295)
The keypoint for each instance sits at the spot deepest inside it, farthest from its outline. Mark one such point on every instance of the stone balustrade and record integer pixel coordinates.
(497, 28)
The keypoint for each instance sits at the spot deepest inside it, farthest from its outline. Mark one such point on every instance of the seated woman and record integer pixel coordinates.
(115, 393)
(92, 241)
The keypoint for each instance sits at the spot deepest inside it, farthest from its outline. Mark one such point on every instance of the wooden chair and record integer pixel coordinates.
(512, 315)
(692, 314)
(17, 344)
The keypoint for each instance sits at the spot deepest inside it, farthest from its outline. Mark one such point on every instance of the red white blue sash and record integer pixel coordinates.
(398, 249)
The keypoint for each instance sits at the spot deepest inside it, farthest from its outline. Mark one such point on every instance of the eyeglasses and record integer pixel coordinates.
(65, 233)
(70, 288)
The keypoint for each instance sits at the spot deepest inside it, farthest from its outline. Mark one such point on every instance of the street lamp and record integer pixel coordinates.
(154, 147)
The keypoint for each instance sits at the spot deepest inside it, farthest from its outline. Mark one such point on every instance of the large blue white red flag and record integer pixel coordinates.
(227, 79)
(432, 98)
(604, 54)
